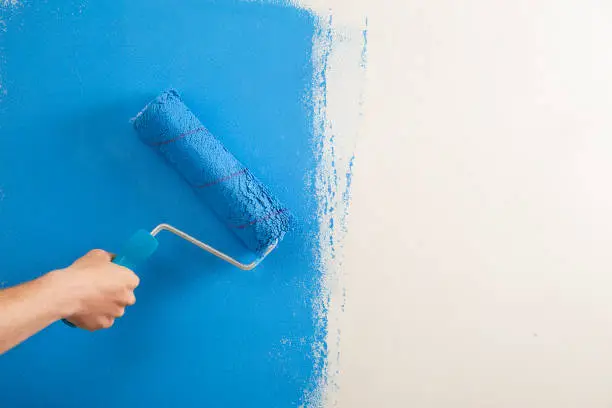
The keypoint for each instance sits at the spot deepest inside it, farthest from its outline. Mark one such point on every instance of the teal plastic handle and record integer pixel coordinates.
(135, 251)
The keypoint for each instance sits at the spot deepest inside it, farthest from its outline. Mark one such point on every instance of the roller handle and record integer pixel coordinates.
(135, 251)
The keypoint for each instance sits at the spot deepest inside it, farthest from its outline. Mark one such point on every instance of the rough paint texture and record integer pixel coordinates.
(240, 201)
(340, 56)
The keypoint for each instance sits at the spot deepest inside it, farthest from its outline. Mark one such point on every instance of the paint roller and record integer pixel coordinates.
(229, 188)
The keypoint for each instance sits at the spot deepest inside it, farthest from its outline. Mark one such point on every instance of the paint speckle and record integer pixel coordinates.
(5, 10)
(10, 4)
(364, 51)
(81, 8)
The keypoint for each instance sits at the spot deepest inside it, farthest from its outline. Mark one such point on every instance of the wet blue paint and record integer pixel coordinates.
(74, 176)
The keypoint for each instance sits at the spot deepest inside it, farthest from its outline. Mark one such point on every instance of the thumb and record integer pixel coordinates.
(95, 256)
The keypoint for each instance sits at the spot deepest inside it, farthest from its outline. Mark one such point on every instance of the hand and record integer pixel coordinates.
(97, 290)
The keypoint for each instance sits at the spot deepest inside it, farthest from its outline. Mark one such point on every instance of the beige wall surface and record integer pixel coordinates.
(477, 266)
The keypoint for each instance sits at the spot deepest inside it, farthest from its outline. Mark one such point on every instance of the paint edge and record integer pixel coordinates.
(336, 49)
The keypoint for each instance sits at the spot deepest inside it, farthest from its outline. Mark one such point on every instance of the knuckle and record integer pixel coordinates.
(128, 298)
(97, 252)
(106, 323)
(128, 278)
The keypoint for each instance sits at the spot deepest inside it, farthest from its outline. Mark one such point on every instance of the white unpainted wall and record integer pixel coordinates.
(477, 269)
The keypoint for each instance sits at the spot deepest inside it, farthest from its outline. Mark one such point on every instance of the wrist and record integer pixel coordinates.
(60, 299)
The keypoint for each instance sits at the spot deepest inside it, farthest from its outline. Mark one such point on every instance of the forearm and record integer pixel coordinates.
(27, 309)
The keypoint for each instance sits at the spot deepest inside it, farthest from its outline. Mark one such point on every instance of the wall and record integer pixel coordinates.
(476, 269)
(470, 269)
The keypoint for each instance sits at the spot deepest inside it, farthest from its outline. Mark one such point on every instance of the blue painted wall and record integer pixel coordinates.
(73, 176)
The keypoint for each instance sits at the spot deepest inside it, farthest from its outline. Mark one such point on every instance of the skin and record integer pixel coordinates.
(91, 293)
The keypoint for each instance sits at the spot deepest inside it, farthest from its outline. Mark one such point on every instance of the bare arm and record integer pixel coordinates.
(91, 293)
(27, 309)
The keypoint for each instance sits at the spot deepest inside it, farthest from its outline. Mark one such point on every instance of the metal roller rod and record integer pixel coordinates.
(211, 250)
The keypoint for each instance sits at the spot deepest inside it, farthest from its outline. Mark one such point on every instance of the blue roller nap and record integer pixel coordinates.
(220, 180)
